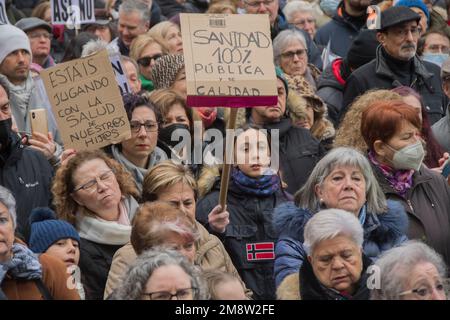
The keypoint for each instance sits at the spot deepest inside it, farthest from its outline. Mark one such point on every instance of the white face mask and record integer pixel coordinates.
(409, 157)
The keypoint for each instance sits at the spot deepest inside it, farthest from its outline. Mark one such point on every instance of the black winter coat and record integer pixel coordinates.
(299, 153)
(378, 74)
(28, 175)
(250, 225)
(95, 262)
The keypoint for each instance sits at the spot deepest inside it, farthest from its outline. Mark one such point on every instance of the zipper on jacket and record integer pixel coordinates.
(410, 205)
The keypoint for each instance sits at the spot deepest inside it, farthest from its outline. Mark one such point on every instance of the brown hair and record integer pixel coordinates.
(348, 133)
(165, 99)
(140, 43)
(221, 8)
(39, 10)
(155, 220)
(382, 120)
(164, 175)
(63, 185)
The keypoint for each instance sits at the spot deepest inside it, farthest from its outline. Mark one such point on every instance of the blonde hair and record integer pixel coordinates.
(164, 175)
(39, 10)
(165, 99)
(63, 185)
(349, 132)
(140, 43)
(221, 7)
(159, 31)
(213, 278)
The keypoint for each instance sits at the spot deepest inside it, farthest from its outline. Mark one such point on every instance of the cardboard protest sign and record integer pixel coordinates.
(72, 12)
(3, 15)
(229, 60)
(86, 102)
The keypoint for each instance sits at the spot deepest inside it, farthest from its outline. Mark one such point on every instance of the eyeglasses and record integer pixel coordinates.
(35, 35)
(148, 125)
(425, 292)
(182, 294)
(257, 4)
(436, 48)
(90, 186)
(291, 54)
(403, 33)
(146, 61)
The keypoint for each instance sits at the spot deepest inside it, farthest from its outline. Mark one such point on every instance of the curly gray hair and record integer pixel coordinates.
(7, 198)
(135, 281)
(396, 264)
(343, 156)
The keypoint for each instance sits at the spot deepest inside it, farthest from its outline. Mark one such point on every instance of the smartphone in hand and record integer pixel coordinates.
(38, 120)
(446, 168)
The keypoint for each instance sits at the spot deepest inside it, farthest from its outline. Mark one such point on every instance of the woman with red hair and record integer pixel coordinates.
(391, 130)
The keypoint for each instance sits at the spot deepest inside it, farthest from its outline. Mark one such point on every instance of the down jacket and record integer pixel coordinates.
(381, 232)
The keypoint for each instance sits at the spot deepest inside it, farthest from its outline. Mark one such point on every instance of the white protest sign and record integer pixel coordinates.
(72, 12)
(86, 102)
(3, 15)
(119, 71)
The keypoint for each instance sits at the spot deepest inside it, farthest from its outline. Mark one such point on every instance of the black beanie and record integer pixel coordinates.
(363, 49)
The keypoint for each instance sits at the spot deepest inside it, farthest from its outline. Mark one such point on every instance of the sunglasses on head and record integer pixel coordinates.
(145, 61)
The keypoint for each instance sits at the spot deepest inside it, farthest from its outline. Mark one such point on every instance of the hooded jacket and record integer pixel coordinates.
(377, 74)
(381, 232)
(210, 255)
(28, 175)
(250, 224)
(341, 31)
(427, 204)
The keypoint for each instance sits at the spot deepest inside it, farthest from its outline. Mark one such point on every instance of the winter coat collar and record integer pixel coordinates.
(342, 18)
(312, 289)
(382, 68)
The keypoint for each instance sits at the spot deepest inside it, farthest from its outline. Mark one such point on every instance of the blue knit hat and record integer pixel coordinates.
(415, 4)
(46, 230)
(280, 75)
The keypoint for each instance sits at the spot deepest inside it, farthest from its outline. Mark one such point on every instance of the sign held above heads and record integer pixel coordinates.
(72, 13)
(86, 102)
(228, 60)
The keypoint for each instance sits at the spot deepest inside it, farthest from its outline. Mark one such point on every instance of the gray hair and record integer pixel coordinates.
(396, 264)
(285, 38)
(330, 223)
(294, 6)
(135, 281)
(343, 156)
(130, 6)
(130, 60)
(7, 198)
(97, 45)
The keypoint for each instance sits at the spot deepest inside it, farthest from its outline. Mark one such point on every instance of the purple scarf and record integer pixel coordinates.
(265, 185)
(399, 180)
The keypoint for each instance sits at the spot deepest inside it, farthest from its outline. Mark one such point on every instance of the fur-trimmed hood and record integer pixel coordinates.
(209, 176)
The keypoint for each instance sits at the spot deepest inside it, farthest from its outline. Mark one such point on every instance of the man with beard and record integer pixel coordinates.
(348, 20)
(396, 64)
(24, 171)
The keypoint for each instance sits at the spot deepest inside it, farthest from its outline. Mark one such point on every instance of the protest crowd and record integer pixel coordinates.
(360, 128)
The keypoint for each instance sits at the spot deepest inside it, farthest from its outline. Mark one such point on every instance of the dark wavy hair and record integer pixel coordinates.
(433, 150)
(133, 101)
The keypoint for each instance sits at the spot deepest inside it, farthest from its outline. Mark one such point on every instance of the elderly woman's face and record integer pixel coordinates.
(147, 59)
(424, 283)
(169, 280)
(294, 59)
(102, 197)
(344, 188)
(6, 234)
(143, 141)
(181, 196)
(174, 40)
(337, 263)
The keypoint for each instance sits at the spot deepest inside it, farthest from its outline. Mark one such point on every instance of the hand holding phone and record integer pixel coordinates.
(38, 120)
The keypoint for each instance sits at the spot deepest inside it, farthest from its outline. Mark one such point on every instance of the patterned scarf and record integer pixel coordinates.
(23, 265)
(265, 185)
(399, 180)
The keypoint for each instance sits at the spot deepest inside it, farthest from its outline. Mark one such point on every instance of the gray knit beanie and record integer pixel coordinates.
(12, 39)
(166, 69)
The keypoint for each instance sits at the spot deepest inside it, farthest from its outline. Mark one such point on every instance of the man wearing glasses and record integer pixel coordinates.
(396, 64)
(40, 34)
(279, 23)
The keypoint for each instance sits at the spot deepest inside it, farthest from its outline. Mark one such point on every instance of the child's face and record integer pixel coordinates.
(67, 250)
(230, 290)
(252, 153)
